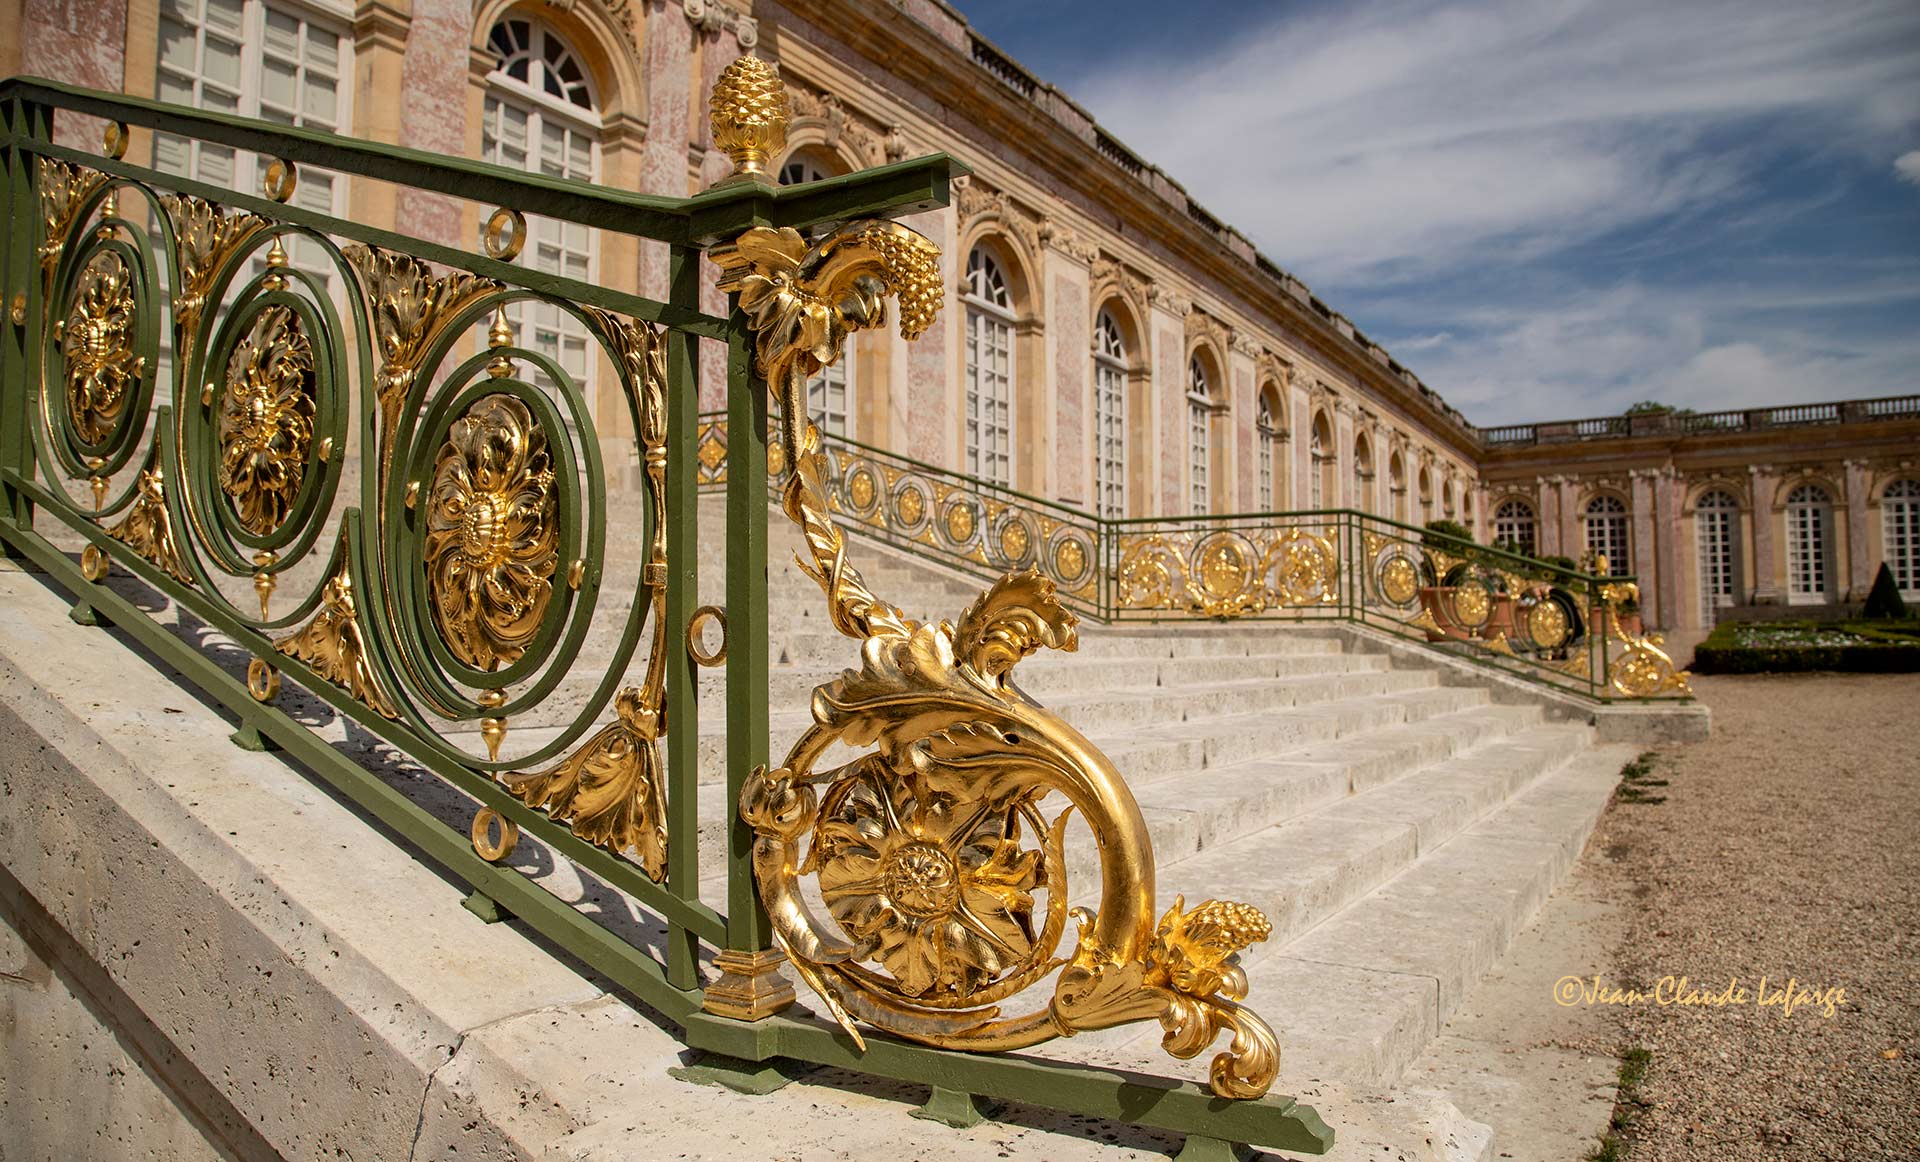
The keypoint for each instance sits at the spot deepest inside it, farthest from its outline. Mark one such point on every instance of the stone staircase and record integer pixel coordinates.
(1397, 825)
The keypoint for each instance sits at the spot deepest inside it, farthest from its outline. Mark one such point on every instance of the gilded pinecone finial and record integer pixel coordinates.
(749, 117)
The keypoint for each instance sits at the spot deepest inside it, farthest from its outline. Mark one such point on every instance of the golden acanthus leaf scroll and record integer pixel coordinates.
(933, 848)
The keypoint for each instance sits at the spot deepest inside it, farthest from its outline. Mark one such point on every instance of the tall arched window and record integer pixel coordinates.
(1809, 540)
(1320, 459)
(989, 369)
(1266, 439)
(1426, 496)
(1199, 441)
(1446, 499)
(1397, 485)
(1900, 522)
(1514, 526)
(541, 116)
(1716, 516)
(1362, 473)
(830, 393)
(1109, 418)
(1607, 532)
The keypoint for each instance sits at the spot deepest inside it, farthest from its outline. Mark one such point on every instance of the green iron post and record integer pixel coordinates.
(683, 596)
(21, 308)
(747, 747)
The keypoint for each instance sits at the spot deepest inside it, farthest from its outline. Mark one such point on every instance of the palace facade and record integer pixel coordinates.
(1110, 344)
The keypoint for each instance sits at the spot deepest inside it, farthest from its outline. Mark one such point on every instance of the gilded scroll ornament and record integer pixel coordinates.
(148, 526)
(103, 373)
(334, 644)
(803, 301)
(932, 848)
(63, 188)
(493, 537)
(266, 420)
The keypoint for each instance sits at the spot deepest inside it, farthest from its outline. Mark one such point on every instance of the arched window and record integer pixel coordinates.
(989, 369)
(541, 116)
(1199, 441)
(1397, 484)
(1426, 496)
(1514, 526)
(1266, 439)
(1446, 499)
(1900, 521)
(1809, 540)
(1321, 458)
(1716, 516)
(1109, 418)
(1362, 474)
(1607, 531)
(830, 393)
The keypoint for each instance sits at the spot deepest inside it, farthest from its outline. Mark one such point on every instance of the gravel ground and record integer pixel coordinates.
(1785, 847)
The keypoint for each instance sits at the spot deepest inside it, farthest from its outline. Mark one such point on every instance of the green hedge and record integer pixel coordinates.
(1887, 648)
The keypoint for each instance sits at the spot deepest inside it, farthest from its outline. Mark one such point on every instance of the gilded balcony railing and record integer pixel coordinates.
(339, 448)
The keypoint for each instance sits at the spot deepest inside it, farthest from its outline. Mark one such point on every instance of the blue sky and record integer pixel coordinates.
(1546, 208)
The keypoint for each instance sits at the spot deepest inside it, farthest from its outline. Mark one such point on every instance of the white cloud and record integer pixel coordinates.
(1907, 165)
(1379, 148)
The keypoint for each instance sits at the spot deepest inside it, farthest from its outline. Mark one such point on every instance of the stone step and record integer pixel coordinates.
(1357, 996)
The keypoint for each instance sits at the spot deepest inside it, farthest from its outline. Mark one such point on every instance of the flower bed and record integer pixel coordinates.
(1772, 647)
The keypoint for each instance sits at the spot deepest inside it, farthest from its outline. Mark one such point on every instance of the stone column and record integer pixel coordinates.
(1668, 555)
(1765, 576)
(1572, 542)
(380, 31)
(1167, 484)
(1645, 544)
(1342, 495)
(1546, 501)
(1069, 340)
(1861, 565)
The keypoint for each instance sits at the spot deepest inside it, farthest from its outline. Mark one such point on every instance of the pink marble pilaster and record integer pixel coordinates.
(1666, 557)
(1861, 564)
(1645, 539)
(1169, 388)
(1766, 586)
(80, 42)
(433, 101)
(1069, 332)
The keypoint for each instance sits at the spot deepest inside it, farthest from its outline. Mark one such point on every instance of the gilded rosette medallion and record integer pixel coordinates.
(492, 532)
(103, 373)
(266, 420)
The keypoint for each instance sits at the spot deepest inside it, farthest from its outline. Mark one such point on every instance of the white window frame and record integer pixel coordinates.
(542, 109)
(1362, 476)
(1716, 518)
(1509, 519)
(1265, 438)
(989, 402)
(1109, 418)
(1609, 531)
(1199, 437)
(1809, 545)
(1900, 532)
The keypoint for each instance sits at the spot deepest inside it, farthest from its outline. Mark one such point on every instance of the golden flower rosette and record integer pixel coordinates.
(938, 851)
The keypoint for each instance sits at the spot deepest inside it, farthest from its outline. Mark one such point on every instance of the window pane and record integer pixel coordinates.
(221, 64)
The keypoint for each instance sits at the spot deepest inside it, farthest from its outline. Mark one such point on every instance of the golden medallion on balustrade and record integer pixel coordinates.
(1070, 561)
(960, 522)
(861, 489)
(492, 544)
(266, 420)
(1547, 624)
(103, 373)
(1015, 540)
(1472, 604)
(1399, 580)
(910, 505)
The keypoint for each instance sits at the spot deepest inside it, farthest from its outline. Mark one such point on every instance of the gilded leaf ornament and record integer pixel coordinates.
(103, 373)
(265, 429)
(63, 188)
(334, 644)
(409, 306)
(148, 526)
(205, 237)
(803, 301)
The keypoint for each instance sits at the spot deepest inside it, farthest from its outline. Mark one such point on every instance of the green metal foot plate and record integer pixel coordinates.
(749, 1077)
(952, 1107)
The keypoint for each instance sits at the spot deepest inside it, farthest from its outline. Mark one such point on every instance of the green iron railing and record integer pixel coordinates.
(355, 470)
(1565, 629)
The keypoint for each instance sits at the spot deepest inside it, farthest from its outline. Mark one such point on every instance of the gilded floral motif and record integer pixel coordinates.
(266, 420)
(940, 888)
(492, 534)
(103, 373)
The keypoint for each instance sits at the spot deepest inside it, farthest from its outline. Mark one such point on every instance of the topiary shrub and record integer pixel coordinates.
(1883, 600)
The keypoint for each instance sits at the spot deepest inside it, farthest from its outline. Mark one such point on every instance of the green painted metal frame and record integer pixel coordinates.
(670, 985)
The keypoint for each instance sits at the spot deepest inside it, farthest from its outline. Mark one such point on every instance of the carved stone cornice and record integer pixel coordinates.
(1204, 328)
(712, 17)
(973, 199)
(1244, 343)
(1065, 239)
(839, 125)
(1167, 299)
